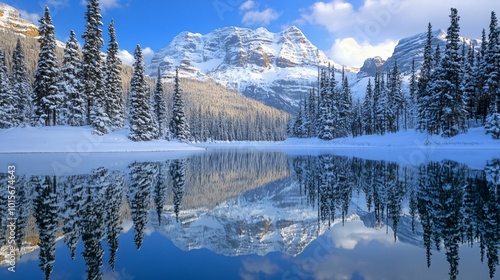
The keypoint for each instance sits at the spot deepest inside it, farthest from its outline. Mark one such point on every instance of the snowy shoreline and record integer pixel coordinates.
(64, 139)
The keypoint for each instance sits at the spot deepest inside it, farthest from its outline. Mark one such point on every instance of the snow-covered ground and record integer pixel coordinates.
(475, 138)
(412, 148)
(66, 139)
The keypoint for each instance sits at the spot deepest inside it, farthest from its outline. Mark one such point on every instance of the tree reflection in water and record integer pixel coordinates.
(448, 203)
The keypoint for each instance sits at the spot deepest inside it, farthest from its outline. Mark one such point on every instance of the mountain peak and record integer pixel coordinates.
(10, 19)
(275, 68)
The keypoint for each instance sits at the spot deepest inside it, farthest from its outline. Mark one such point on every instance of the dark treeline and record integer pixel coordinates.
(453, 204)
(456, 88)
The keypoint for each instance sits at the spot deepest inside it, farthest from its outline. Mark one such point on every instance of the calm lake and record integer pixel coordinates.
(252, 214)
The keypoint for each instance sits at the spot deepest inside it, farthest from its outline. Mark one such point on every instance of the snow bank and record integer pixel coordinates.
(474, 139)
(65, 139)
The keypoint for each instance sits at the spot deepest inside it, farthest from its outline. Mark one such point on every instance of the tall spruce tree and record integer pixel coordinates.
(469, 83)
(142, 127)
(382, 106)
(93, 78)
(160, 108)
(21, 87)
(45, 88)
(492, 63)
(178, 124)
(368, 110)
(326, 106)
(484, 99)
(71, 85)
(423, 83)
(451, 112)
(345, 108)
(413, 98)
(114, 92)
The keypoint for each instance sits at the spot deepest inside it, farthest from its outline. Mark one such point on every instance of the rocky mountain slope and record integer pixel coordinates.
(406, 50)
(275, 68)
(11, 20)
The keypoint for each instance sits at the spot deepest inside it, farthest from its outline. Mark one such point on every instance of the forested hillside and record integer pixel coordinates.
(211, 111)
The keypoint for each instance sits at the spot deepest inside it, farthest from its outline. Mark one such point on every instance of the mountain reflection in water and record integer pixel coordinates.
(255, 203)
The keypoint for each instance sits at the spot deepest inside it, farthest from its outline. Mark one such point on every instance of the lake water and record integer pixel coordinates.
(252, 214)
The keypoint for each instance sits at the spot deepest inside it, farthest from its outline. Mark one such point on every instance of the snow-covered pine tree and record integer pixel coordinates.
(297, 124)
(7, 99)
(21, 87)
(313, 112)
(484, 100)
(397, 101)
(412, 101)
(381, 107)
(142, 126)
(434, 100)
(368, 110)
(71, 85)
(345, 108)
(326, 107)
(492, 71)
(114, 92)
(452, 113)
(46, 95)
(160, 109)
(93, 78)
(356, 120)
(377, 121)
(178, 124)
(492, 125)
(469, 82)
(423, 83)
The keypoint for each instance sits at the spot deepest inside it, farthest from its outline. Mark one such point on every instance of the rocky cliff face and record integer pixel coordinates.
(413, 48)
(275, 68)
(371, 66)
(11, 20)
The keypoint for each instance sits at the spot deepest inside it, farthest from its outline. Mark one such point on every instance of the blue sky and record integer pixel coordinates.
(348, 31)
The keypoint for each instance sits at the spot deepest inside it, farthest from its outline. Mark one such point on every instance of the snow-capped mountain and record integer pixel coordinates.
(275, 68)
(406, 50)
(371, 66)
(11, 20)
(410, 48)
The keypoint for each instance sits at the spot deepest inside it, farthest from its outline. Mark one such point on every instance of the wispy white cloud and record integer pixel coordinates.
(56, 3)
(103, 4)
(252, 15)
(109, 4)
(247, 5)
(147, 54)
(33, 17)
(350, 52)
(375, 22)
(260, 17)
(127, 58)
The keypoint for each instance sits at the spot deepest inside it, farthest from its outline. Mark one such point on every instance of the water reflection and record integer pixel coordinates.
(217, 201)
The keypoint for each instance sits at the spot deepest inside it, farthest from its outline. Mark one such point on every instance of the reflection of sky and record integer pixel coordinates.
(357, 252)
(351, 252)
